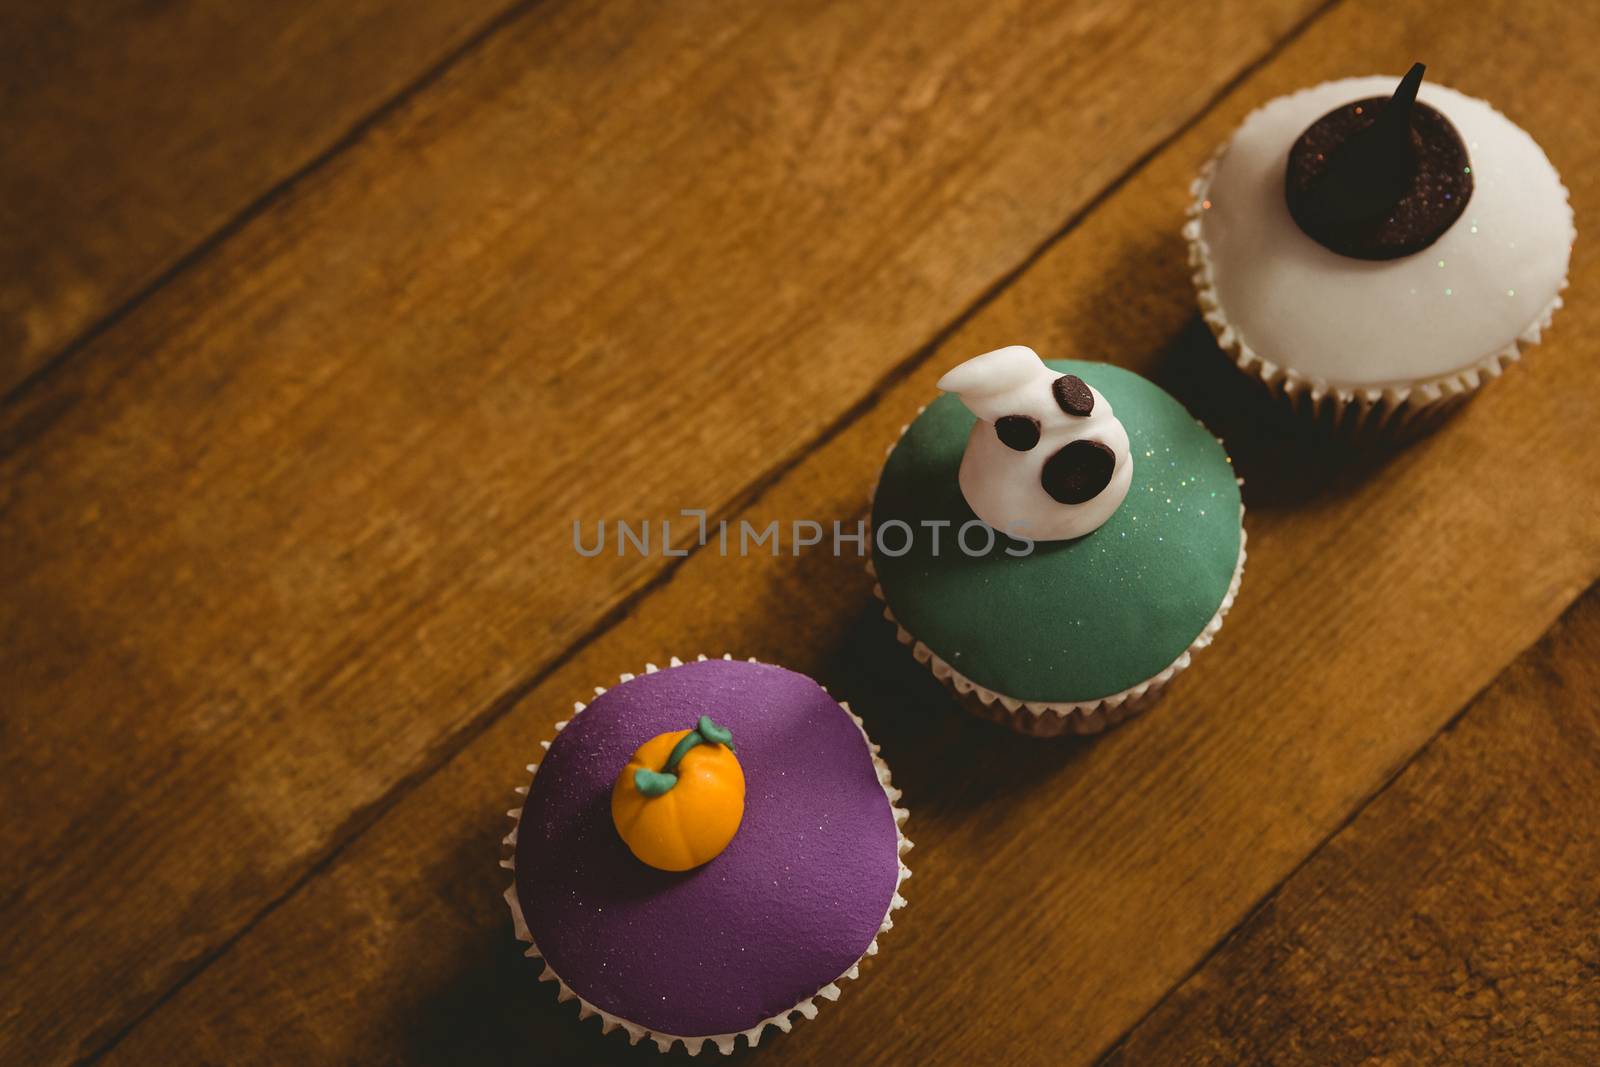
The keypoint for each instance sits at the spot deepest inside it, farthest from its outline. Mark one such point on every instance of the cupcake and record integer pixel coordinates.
(1055, 540)
(1374, 254)
(704, 851)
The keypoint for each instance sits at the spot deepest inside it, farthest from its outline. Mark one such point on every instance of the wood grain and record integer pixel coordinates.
(1452, 922)
(1059, 890)
(135, 131)
(280, 541)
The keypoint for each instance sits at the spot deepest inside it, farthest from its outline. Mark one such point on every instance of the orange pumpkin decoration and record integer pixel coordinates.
(680, 799)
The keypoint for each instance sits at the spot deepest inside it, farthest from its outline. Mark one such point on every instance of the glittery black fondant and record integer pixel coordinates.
(1379, 179)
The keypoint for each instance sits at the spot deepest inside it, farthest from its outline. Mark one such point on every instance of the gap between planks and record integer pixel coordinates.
(360, 821)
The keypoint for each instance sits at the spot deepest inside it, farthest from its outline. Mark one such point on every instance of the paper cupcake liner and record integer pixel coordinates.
(1025, 721)
(723, 1042)
(1397, 409)
(1038, 718)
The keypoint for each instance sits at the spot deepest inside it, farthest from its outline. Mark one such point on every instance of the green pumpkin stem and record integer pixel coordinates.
(705, 732)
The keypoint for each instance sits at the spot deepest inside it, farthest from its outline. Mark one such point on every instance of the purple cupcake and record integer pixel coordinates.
(704, 851)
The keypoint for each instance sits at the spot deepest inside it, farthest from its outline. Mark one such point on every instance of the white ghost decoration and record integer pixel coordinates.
(1047, 459)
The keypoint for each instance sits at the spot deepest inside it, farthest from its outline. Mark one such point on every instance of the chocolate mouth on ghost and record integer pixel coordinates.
(1079, 471)
(1379, 179)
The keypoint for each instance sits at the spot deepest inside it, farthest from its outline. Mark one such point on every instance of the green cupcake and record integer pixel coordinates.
(1056, 540)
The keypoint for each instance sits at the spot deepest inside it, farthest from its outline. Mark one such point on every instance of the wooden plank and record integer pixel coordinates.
(1453, 922)
(286, 536)
(1058, 890)
(133, 132)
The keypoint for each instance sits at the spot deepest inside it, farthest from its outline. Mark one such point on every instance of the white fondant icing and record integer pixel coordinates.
(1001, 484)
(1344, 323)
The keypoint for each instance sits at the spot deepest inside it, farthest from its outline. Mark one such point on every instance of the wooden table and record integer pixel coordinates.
(321, 323)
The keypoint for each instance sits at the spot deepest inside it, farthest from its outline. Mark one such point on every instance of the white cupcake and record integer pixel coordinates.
(1373, 258)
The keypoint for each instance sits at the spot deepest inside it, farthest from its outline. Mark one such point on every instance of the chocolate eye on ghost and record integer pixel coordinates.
(1078, 472)
(1017, 432)
(1072, 395)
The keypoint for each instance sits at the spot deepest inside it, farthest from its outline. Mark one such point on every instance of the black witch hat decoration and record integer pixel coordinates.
(1379, 178)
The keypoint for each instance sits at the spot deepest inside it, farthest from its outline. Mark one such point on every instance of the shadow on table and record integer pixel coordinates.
(1286, 461)
(941, 756)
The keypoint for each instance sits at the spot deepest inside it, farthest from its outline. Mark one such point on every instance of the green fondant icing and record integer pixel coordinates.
(1075, 620)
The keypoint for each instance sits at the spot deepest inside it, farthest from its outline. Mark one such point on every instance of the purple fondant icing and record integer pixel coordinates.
(796, 898)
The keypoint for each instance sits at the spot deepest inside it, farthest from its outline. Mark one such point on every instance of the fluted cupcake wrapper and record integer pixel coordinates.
(724, 1043)
(1040, 718)
(1394, 410)
(1037, 718)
